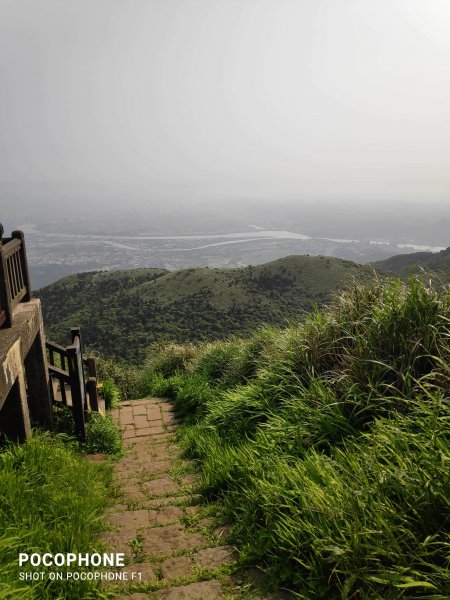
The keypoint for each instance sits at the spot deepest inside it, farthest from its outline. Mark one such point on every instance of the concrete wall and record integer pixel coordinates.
(24, 381)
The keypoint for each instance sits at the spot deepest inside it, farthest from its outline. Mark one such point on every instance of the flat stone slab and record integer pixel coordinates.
(173, 568)
(170, 539)
(130, 520)
(153, 414)
(118, 542)
(141, 420)
(204, 590)
(166, 501)
(161, 487)
(211, 558)
(146, 573)
(150, 465)
(133, 492)
(167, 514)
(151, 428)
(126, 419)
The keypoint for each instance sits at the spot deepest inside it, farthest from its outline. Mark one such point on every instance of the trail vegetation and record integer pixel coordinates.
(51, 500)
(327, 442)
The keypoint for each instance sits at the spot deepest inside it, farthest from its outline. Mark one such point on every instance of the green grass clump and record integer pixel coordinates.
(51, 500)
(328, 443)
(110, 393)
(63, 421)
(168, 359)
(102, 435)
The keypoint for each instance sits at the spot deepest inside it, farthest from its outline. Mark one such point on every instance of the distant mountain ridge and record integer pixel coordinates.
(123, 312)
(405, 265)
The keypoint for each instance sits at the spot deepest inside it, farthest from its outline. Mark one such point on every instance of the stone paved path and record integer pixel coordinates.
(178, 547)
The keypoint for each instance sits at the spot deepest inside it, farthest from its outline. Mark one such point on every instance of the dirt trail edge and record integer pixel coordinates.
(175, 549)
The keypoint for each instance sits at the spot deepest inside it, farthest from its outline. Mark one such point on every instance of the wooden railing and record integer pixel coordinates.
(14, 276)
(73, 379)
(69, 387)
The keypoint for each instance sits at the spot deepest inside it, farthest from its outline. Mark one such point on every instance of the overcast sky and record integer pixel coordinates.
(291, 99)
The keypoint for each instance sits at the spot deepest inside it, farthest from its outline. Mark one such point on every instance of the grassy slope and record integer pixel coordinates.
(51, 500)
(409, 264)
(122, 312)
(328, 443)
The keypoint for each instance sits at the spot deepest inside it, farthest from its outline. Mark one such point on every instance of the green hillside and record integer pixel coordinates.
(122, 312)
(406, 265)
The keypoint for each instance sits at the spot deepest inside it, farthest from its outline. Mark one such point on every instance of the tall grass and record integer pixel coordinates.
(127, 378)
(51, 500)
(328, 443)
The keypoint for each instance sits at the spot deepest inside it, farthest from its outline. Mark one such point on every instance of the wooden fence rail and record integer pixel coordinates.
(69, 387)
(25, 369)
(14, 277)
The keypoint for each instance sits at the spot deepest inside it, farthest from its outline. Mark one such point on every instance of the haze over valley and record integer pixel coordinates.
(176, 237)
(180, 134)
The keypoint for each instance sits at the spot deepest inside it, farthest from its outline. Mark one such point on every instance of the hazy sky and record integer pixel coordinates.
(273, 98)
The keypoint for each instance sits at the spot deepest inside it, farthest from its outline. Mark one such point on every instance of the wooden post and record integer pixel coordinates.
(75, 332)
(92, 367)
(91, 387)
(91, 384)
(77, 389)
